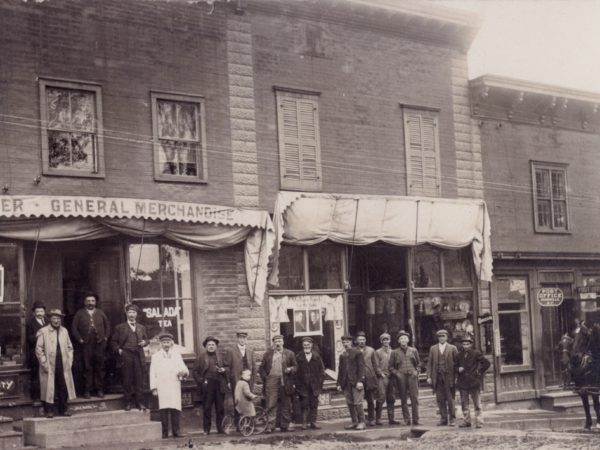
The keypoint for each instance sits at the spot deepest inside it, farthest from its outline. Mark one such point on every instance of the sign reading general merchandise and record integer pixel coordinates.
(550, 296)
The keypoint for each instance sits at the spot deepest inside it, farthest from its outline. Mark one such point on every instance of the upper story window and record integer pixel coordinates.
(71, 114)
(299, 143)
(550, 197)
(179, 138)
(423, 175)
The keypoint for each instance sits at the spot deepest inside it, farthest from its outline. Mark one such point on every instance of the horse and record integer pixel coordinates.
(585, 374)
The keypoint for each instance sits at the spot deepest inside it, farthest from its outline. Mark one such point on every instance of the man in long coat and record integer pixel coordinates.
(277, 372)
(91, 330)
(54, 352)
(309, 381)
(440, 374)
(33, 325)
(470, 367)
(350, 381)
(372, 376)
(128, 341)
(167, 369)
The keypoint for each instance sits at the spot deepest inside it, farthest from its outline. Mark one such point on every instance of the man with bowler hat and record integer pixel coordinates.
(277, 371)
(91, 329)
(128, 342)
(237, 358)
(54, 352)
(211, 377)
(33, 325)
(167, 370)
(350, 381)
(387, 383)
(440, 375)
(470, 367)
(404, 365)
(309, 381)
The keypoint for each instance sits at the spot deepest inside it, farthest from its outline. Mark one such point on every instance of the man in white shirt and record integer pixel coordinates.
(440, 375)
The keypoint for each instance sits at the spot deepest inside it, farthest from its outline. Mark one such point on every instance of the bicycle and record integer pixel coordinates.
(247, 425)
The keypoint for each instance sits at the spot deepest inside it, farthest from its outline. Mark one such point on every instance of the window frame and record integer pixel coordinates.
(20, 304)
(421, 112)
(550, 167)
(286, 181)
(201, 176)
(44, 84)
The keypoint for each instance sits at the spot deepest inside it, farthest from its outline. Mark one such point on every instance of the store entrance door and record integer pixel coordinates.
(555, 322)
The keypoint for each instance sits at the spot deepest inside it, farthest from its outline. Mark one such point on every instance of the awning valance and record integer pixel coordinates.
(203, 227)
(310, 218)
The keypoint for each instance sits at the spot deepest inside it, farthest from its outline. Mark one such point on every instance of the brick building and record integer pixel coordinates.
(539, 145)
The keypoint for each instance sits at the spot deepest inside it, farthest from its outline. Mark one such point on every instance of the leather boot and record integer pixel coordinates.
(391, 419)
(304, 419)
(378, 413)
(354, 423)
(360, 417)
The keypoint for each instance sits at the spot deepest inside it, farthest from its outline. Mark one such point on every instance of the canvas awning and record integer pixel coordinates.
(302, 218)
(197, 226)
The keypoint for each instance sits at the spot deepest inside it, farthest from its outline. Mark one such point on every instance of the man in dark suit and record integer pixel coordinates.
(91, 330)
(128, 341)
(35, 322)
(277, 371)
(309, 381)
(440, 374)
(351, 379)
(237, 358)
(470, 367)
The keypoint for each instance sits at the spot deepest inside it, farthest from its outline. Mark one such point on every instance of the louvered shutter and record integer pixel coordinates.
(422, 155)
(299, 142)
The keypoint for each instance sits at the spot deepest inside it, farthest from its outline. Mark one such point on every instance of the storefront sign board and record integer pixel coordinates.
(550, 296)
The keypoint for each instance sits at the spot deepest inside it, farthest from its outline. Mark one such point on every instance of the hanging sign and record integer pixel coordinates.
(588, 292)
(550, 296)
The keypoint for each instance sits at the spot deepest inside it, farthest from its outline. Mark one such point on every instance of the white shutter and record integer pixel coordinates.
(422, 155)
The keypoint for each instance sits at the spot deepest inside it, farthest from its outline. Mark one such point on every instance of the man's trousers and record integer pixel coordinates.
(464, 403)
(279, 403)
(213, 397)
(444, 394)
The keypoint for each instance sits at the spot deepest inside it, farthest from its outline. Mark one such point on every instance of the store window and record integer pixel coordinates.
(442, 295)
(11, 353)
(550, 197)
(179, 138)
(160, 282)
(71, 128)
(512, 305)
(589, 298)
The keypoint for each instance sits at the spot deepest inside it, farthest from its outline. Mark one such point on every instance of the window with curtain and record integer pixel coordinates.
(161, 286)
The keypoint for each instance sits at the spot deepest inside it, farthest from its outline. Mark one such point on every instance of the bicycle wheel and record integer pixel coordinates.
(228, 424)
(260, 421)
(246, 426)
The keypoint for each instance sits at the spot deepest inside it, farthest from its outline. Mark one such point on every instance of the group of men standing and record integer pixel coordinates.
(378, 376)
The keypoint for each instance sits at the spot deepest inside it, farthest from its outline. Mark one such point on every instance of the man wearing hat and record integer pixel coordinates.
(210, 374)
(440, 374)
(33, 325)
(470, 367)
(350, 381)
(309, 381)
(237, 358)
(372, 376)
(277, 371)
(128, 342)
(386, 383)
(167, 369)
(54, 352)
(405, 366)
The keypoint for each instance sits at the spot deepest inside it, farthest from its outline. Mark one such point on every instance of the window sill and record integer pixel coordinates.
(516, 369)
(553, 231)
(72, 173)
(179, 179)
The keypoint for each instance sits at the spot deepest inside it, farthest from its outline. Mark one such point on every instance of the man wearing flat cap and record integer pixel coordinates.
(470, 367)
(351, 378)
(404, 366)
(277, 371)
(387, 384)
(54, 352)
(372, 376)
(167, 370)
(128, 342)
(440, 374)
(33, 325)
(309, 381)
(210, 374)
(237, 358)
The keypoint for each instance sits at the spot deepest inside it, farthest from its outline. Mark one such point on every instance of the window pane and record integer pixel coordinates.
(560, 214)
(186, 121)
(426, 268)
(542, 183)
(511, 346)
(543, 213)
(9, 274)
(144, 270)
(167, 119)
(386, 268)
(515, 340)
(178, 158)
(175, 271)
(10, 334)
(324, 267)
(558, 185)
(82, 111)
(512, 290)
(71, 150)
(59, 112)
(59, 149)
(291, 268)
(457, 268)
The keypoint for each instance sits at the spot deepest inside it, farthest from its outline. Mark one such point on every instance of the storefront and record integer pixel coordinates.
(156, 254)
(346, 263)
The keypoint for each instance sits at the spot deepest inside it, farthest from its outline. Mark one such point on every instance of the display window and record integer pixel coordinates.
(11, 348)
